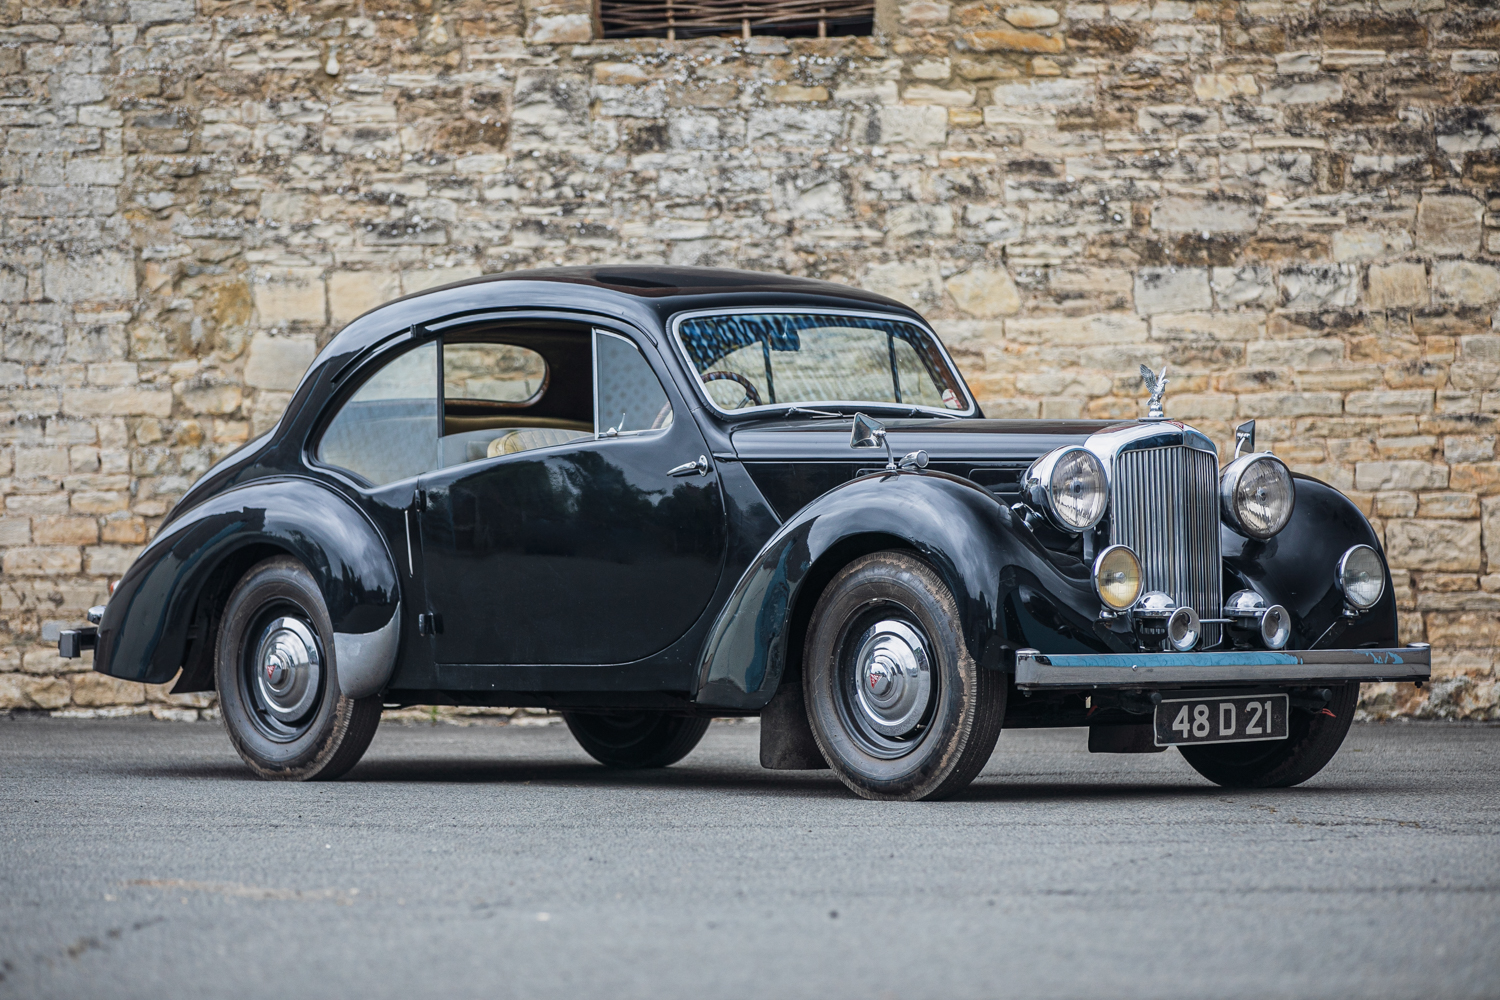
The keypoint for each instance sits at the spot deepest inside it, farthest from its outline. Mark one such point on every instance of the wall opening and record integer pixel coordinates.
(676, 19)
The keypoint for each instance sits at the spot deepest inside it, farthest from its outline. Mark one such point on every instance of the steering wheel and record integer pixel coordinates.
(751, 394)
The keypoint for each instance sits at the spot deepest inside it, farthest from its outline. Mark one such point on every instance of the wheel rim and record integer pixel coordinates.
(284, 675)
(886, 681)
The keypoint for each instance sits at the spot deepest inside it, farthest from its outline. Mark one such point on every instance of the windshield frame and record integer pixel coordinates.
(763, 409)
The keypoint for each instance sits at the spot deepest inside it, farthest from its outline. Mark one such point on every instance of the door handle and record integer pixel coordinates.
(697, 468)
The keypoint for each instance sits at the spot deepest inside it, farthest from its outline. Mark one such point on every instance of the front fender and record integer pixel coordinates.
(147, 622)
(1009, 589)
(1298, 569)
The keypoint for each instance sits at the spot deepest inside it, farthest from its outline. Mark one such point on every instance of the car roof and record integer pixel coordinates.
(629, 291)
(661, 281)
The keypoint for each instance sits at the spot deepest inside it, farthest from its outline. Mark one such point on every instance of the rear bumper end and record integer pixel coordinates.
(71, 642)
(1036, 671)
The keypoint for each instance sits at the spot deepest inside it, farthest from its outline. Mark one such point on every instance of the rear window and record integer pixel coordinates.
(495, 373)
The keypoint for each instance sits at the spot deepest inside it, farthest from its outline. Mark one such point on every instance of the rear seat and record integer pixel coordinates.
(526, 438)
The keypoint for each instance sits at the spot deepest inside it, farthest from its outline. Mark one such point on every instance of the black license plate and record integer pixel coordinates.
(1246, 719)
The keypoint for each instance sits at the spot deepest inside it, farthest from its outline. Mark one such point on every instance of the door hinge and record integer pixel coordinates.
(429, 624)
(419, 500)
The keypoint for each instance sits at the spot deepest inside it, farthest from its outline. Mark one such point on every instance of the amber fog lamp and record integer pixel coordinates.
(1361, 577)
(1117, 577)
(1070, 487)
(1256, 495)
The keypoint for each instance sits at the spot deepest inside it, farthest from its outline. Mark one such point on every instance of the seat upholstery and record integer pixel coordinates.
(526, 438)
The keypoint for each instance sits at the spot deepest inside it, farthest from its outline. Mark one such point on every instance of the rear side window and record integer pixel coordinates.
(388, 430)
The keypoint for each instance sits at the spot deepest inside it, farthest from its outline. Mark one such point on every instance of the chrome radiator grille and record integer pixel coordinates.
(1166, 508)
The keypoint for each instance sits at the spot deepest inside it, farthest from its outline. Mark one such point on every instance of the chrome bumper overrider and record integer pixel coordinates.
(1037, 671)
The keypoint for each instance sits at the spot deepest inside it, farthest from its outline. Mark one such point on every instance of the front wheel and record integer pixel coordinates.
(1312, 740)
(897, 705)
(278, 682)
(635, 739)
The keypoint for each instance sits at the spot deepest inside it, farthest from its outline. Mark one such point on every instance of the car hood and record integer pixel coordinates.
(945, 440)
(794, 460)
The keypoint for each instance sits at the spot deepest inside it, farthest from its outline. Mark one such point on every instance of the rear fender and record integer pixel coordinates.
(1008, 588)
(168, 594)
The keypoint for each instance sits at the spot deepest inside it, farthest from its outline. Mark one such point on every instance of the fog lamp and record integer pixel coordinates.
(1117, 577)
(1361, 577)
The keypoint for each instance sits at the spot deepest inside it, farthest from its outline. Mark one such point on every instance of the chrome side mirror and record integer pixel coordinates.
(1244, 438)
(870, 433)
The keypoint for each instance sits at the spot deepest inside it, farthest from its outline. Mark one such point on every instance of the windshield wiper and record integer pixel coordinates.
(810, 412)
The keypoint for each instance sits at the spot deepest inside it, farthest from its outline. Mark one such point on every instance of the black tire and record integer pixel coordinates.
(635, 739)
(1312, 740)
(308, 729)
(930, 739)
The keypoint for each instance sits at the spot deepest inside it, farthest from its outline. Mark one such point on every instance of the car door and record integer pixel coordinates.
(560, 547)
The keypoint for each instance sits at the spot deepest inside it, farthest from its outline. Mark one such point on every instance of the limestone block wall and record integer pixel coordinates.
(1293, 205)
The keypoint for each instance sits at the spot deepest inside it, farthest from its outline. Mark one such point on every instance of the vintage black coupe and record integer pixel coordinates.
(649, 496)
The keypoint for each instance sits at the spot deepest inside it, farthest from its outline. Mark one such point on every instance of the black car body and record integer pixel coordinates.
(631, 573)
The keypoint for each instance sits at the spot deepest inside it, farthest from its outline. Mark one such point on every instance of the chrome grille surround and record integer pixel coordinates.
(1164, 504)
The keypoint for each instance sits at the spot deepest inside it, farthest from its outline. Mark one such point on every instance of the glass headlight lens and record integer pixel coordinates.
(1257, 495)
(1117, 577)
(1361, 576)
(1069, 485)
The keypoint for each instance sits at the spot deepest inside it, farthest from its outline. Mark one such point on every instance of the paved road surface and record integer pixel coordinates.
(141, 860)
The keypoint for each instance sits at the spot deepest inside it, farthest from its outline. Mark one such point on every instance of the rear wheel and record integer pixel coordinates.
(278, 682)
(1312, 740)
(635, 739)
(899, 708)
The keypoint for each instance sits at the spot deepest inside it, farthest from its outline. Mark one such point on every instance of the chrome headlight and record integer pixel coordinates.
(1361, 577)
(1069, 485)
(1257, 495)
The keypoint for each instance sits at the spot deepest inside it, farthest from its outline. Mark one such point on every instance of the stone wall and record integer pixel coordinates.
(1288, 203)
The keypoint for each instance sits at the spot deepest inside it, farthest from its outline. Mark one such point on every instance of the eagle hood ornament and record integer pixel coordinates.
(1156, 385)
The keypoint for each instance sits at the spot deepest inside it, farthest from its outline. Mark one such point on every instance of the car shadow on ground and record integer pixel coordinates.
(1020, 789)
(468, 771)
(511, 772)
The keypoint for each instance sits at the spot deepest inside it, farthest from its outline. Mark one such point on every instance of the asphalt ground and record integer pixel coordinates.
(141, 859)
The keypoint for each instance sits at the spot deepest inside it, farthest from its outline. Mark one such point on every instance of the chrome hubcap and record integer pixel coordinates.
(893, 678)
(287, 669)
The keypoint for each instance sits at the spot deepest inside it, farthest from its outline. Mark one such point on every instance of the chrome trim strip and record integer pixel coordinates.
(1132, 437)
(678, 318)
(1036, 671)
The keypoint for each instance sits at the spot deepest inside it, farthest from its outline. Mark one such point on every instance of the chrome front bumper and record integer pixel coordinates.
(1036, 671)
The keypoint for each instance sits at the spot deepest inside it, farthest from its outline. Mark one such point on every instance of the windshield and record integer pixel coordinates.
(769, 359)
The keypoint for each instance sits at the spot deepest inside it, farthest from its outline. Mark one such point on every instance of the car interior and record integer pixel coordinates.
(504, 389)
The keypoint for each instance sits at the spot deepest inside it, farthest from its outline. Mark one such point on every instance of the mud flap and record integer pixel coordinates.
(1118, 739)
(786, 739)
